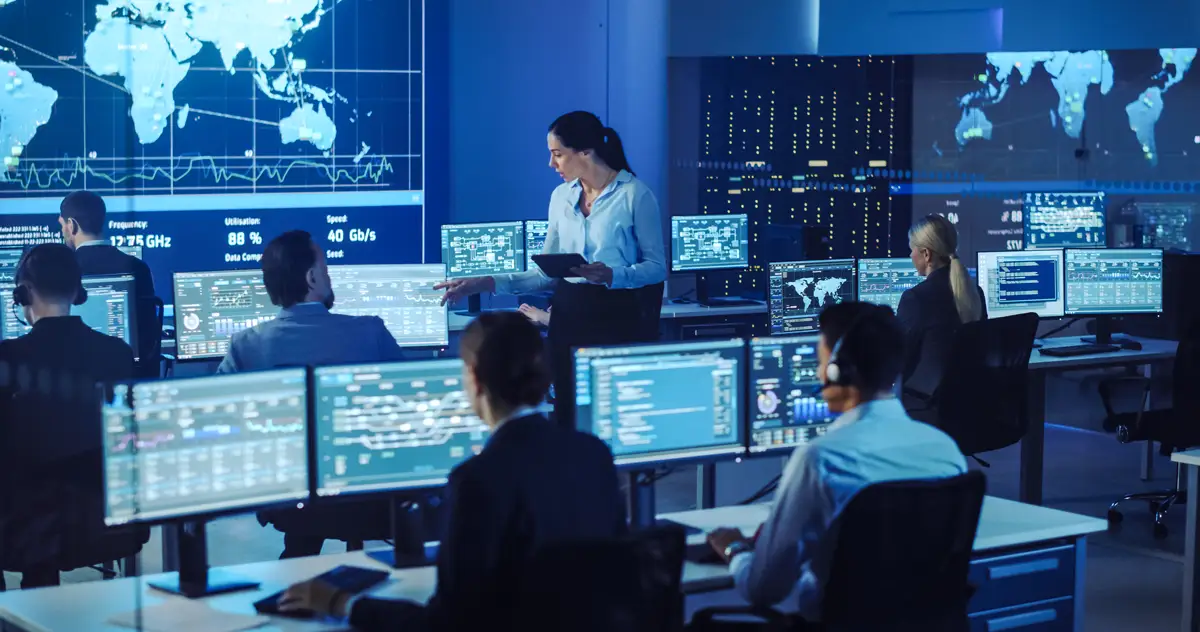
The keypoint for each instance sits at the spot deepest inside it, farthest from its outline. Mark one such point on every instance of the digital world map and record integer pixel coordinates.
(815, 293)
(1072, 73)
(204, 96)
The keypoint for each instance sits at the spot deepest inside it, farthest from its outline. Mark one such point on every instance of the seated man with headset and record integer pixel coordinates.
(50, 424)
(872, 441)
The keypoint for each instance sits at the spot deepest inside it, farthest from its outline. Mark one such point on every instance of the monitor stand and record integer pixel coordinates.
(408, 538)
(1104, 333)
(703, 298)
(642, 513)
(195, 579)
(474, 306)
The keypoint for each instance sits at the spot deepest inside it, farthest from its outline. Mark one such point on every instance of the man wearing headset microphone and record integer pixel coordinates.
(50, 421)
(861, 352)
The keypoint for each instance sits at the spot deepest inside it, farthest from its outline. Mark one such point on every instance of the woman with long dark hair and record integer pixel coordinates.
(603, 212)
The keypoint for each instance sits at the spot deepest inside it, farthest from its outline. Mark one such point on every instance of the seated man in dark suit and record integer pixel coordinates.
(305, 333)
(82, 216)
(534, 484)
(50, 425)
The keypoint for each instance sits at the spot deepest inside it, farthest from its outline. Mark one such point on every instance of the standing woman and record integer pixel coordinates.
(933, 310)
(604, 213)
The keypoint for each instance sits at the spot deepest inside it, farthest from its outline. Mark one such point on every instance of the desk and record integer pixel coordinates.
(1034, 444)
(1028, 563)
(1028, 545)
(670, 311)
(1190, 460)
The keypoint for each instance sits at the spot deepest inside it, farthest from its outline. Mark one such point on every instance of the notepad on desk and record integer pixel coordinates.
(180, 615)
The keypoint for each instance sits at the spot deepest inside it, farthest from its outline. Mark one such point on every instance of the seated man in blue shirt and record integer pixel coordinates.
(305, 333)
(872, 441)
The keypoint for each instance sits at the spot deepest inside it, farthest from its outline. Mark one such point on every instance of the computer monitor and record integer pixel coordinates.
(192, 449)
(10, 258)
(800, 290)
(702, 243)
(1064, 220)
(786, 408)
(210, 307)
(663, 402)
(1022, 281)
(1113, 282)
(110, 309)
(135, 251)
(471, 250)
(535, 240)
(882, 281)
(392, 427)
(402, 295)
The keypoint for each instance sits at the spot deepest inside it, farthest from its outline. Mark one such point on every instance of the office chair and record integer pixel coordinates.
(150, 351)
(902, 553)
(982, 398)
(1175, 428)
(650, 298)
(631, 584)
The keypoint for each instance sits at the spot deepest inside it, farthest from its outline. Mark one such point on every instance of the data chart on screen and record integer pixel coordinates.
(470, 250)
(401, 295)
(709, 242)
(1064, 220)
(535, 240)
(882, 281)
(10, 258)
(786, 407)
(1114, 281)
(392, 426)
(210, 307)
(798, 291)
(660, 402)
(190, 447)
(1022, 282)
(110, 309)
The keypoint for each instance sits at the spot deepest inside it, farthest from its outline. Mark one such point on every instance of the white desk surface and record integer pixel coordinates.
(1152, 351)
(1003, 523)
(1187, 457)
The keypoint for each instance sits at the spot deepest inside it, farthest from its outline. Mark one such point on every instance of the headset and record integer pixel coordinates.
(26, 276)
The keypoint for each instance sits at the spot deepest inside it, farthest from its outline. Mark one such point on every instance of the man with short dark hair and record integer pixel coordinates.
(861, 352)
(82, 217)
(51, 430)
(305, 333)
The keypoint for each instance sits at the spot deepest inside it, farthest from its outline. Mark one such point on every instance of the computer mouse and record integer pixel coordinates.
(1131, 345)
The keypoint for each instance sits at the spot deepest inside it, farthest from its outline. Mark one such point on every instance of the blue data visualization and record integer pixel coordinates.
(709, 242)
(882, 281)
(471, 250)
(535, 240)
(800, 290)
(1115, 281)
(660, 402)
(210, 127)
(1021, 282)
(1064, 220)
(786, 408)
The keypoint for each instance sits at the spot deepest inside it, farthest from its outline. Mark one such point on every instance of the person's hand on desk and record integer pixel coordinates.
(728, 542)
(317, 596)
(595, 272)
(537, 316)
(458, 289)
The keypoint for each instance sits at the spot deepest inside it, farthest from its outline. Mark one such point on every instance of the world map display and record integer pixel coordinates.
(206, 96)
(814, 293)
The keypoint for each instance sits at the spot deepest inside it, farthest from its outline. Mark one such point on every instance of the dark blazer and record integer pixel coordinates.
(103, 259)
(51, 438)
(534, 483)
(930, 318)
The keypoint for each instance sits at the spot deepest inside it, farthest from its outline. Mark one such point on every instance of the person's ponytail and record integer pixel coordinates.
(966, 296)
(612, 151)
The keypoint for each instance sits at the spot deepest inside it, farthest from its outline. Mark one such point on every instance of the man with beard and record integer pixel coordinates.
(305, 333)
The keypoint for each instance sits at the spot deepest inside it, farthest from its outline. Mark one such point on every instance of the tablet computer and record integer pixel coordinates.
(559, 266)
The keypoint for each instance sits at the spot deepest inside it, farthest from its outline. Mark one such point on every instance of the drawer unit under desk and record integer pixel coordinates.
(1057, 615)
(1019, 578)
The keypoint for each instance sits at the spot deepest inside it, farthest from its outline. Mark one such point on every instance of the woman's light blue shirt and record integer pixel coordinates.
(623, 231)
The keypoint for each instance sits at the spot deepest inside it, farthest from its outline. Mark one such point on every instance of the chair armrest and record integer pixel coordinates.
(1107, 385)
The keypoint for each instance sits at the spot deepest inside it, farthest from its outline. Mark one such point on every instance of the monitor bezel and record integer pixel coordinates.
(1062, 277)
(179, 357)
(1087, 314)
(517, 223)
(445, 308)
(1025, 223)
(734, 266)
(243, 508)
(784, 339)
(853, 261)
(352, 492)
(649, 461)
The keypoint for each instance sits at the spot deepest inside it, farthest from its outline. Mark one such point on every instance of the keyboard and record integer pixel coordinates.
(350, 579)
(1069, 351)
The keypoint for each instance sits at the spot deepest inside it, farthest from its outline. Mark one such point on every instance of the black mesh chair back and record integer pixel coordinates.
(650, 299)
(906, 557)
(632, 584)
(982, 399)
(150, 336)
